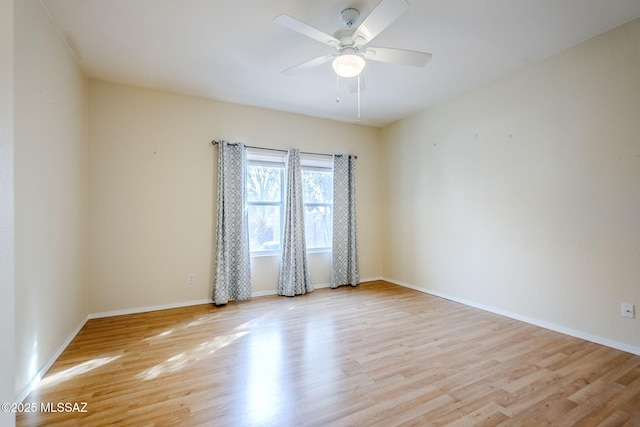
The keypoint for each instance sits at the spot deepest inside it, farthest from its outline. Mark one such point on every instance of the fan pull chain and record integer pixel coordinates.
(358, 77)
(337, 89)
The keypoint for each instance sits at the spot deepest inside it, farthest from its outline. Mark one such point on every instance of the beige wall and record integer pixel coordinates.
(51, 200)
(152, 191)
(524, 196)
(7, 253)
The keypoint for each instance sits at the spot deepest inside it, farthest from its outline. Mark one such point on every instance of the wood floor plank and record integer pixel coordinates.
(374, 355)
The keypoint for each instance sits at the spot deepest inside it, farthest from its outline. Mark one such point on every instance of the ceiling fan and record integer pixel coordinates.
(351, 43)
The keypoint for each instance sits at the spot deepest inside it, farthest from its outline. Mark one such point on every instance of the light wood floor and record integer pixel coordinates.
(375, 355)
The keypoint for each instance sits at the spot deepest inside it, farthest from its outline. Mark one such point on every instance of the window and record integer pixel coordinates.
(317, 194)
(265, 202)
(265, 197)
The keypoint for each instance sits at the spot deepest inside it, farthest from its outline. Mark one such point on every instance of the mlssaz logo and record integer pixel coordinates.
(63, 407)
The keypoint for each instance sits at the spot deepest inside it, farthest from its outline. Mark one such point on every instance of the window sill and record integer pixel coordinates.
(318, 250)
(309, 251)
(264, 254)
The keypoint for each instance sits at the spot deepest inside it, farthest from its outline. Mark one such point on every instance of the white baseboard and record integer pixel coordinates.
(537, 322)
(35, 380)
(148, 308)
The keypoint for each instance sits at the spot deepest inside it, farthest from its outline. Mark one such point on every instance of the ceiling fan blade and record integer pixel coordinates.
(380, 18)
(353, 83)
(398, 56)
(308, 64)
(306, 30)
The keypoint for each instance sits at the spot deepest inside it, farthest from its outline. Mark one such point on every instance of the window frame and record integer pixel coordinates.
(276, 165)
(325, 169)
(310, 163)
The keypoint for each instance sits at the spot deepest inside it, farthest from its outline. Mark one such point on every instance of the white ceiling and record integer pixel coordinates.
(233, 51)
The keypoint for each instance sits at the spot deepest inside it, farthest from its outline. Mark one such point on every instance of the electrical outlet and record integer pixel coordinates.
(191, 279)
(628, 310)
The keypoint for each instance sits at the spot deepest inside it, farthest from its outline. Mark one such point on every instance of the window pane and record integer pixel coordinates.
(317, 186)
(264, 183)
(264, 228)
(318, 223)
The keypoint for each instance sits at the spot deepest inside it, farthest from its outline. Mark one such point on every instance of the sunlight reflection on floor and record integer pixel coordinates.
(179, 361)
(203, 320)
(158, 336)
(75, 371)
(172, 364)
(263, 376)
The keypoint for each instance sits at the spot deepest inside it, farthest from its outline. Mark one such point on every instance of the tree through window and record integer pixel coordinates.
(264, 206)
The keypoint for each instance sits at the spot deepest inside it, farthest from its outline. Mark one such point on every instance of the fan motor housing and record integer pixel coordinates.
(345, 35)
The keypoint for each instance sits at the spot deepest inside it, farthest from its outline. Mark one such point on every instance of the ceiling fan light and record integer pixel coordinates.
(348, 65)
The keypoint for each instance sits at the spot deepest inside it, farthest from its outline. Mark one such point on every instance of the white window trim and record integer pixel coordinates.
(321, 165)
(257, 157)
(269, 160)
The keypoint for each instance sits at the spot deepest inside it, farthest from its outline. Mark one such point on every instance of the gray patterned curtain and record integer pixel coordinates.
(233, 270)
(294, 278)
(344, 255)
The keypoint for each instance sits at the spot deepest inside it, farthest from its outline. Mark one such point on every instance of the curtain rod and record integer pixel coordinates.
(214, 142)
